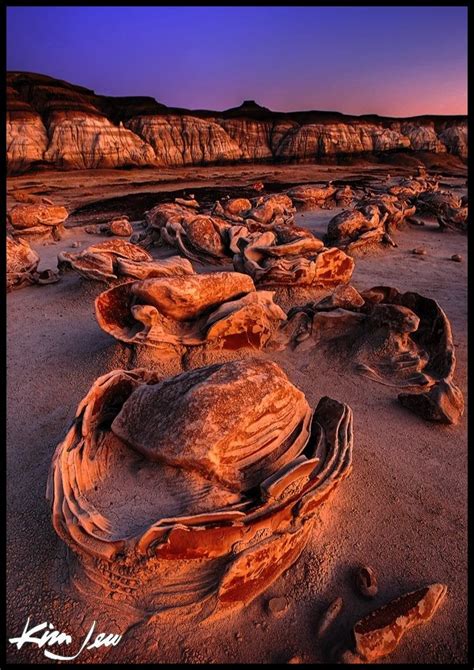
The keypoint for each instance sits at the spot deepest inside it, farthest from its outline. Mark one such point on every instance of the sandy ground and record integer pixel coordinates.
(403, 510)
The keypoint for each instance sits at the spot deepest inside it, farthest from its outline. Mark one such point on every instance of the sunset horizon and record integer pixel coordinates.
(213, 58)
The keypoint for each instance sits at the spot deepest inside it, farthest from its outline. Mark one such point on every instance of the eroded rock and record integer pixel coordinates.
(120, 227)
(220, 310)
(329, 616)
(398, 339)
(446, 207)
(366, 581)
(378, 634)
(38, 219)
(168, 500)
(117, 259)
(22, 266)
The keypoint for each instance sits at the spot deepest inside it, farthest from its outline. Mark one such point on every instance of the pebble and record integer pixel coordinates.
(366, 581)
(456, 258)
(277, 606)
(295, 659)
(74, 245)
(329, 616)
(348, 657)
(419, 252)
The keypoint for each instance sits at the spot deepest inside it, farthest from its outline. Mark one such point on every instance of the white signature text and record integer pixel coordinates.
(50, 637)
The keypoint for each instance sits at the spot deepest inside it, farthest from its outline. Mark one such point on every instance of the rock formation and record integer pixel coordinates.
(398, 339)
(199, 237)
(259, 213)
(185, 140)
(379, 633)
(22, 264)
(116, 259)
(121, 227)
(219, 311)
(448, 209)
(369, 223)
(291, 256)
(37, 220)
(318, 196)
(223, 502)
(53, 123)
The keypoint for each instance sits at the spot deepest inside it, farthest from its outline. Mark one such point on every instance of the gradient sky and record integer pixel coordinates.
(398, 61)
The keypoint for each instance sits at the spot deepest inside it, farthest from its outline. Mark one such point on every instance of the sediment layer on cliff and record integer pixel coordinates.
(56, 124)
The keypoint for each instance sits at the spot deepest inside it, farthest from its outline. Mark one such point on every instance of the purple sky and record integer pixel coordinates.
(397, 61)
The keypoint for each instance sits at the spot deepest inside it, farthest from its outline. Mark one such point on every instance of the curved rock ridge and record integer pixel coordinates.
(56, 123)
(223, 502)
(397, 339)
(172, 314)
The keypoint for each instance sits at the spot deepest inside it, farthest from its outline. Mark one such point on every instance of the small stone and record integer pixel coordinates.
(329, 616)
(75, 245)
(348, 657)
(277, 606)
(456, 258)
(295, 659)
(419, 251)
(366, 582)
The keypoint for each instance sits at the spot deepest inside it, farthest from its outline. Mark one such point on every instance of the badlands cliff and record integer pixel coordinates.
(51, 123)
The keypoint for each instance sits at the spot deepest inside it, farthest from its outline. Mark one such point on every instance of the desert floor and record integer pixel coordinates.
(403, 510)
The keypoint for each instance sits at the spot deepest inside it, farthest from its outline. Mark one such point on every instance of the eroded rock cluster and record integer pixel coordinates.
(41, 219)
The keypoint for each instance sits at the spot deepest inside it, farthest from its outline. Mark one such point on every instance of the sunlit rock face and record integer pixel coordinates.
(37, 219)
(186, 140)
(55, 123)
(26, 137)
(316, 140)
(378, 633)
(194, 492)
(119, 260)
(253, 138)
(422, 137)
(81, 142)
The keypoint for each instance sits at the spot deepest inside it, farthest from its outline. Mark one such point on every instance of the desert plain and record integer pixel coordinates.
(402, 510)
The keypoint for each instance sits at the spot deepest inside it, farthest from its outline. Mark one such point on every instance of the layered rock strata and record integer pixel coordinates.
(54, 123)
(223, 502)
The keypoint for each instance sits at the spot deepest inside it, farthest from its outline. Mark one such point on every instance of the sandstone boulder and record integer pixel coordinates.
(379, 633)
(37, 219)
(117, 259)
(220, 310)
(22, 264)
(169, 501)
